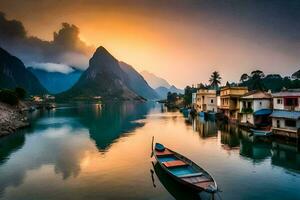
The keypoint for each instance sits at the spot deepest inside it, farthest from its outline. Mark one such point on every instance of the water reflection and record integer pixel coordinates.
(286, 155)
(233, 138)
(87, 152)
(62, 139)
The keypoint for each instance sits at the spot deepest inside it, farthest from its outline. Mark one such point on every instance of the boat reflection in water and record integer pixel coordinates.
(177, 190)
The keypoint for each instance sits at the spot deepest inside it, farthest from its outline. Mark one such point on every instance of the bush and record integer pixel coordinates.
(9, 97)
(20, 92)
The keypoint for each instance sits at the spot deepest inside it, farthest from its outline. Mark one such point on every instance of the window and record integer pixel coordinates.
(279, 101)
(291, 101)
(249, 105)
(278, 123)
(290, 123)
(260, 103)
(211, 101)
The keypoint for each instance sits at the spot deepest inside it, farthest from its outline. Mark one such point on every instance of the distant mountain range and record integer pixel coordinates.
(137, 83)
(163, 91)
(110, 79)
(13, 73)
(56, 82)
(161, 86)
(155, 81)
(106, 77)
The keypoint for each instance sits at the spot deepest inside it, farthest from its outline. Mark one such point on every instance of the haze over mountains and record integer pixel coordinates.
(14, 74)
(56, 82)
(52, 64)
(106, 78)
(137, 82)
(161, 86)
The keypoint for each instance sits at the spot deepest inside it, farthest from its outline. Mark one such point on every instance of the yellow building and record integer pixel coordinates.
(206, 100)
(230, 97)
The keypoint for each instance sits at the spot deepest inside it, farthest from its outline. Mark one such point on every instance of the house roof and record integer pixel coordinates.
(233, 88)
(287, 94)
(286, 114)
(257, 95)
(263, 112)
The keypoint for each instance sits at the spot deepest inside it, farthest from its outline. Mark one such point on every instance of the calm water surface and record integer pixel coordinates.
(83, 152)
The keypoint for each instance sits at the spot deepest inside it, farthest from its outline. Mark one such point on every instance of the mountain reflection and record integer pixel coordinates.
(63, 139)
(113, 121)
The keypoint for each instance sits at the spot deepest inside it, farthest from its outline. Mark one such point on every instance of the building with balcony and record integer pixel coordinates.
(287, 100)
(230, 97)
(206, 100)
(286, 113)
(255, 108)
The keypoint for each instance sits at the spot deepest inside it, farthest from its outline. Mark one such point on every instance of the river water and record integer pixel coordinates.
(87, 152)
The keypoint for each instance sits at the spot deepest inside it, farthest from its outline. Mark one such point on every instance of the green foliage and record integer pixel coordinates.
(9, 97)
(273, 82)
(296, 75)
(172, 97)
(244, 77)
(20, 92)
(247, 110)
(188, 91)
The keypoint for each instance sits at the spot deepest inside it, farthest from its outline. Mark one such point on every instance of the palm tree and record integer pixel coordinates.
(215, 79)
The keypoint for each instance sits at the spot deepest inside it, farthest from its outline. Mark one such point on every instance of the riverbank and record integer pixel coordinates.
(12, 118)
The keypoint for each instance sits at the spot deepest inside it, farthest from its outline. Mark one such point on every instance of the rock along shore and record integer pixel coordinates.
(12, 118)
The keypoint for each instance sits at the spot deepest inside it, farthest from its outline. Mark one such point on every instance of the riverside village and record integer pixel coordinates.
(150, 100)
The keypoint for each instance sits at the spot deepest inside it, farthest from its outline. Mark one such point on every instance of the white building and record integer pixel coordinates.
(206, 100)
(255, 107)
(287, 100)
(286, 114)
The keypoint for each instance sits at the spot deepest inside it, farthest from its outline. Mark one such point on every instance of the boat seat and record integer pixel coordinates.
(205, 184)
(196, 179)
(191, 175)
(166, 152)
(174, 163)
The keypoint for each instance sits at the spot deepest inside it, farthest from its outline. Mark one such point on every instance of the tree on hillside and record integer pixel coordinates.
(215, 79)
(296, 75)
(244, 77)
(188, 91)
(256, 79)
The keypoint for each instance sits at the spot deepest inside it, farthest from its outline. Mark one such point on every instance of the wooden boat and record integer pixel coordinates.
(184, 170)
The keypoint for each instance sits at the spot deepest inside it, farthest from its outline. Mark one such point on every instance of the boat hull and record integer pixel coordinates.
(181, 179)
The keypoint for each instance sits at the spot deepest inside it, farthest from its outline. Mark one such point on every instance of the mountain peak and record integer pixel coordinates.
(101, 50)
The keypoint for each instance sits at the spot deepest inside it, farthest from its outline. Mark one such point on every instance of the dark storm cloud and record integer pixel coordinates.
(65, 48)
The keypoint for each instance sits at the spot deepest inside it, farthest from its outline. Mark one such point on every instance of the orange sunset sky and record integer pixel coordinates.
(181, 41)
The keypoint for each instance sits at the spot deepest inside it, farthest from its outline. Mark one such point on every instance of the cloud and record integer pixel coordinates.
(53, 67)
(66, 46)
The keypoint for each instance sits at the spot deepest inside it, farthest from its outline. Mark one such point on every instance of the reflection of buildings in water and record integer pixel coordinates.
(205, 128)
(257, 151)
(229, 136)
(286, 155)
